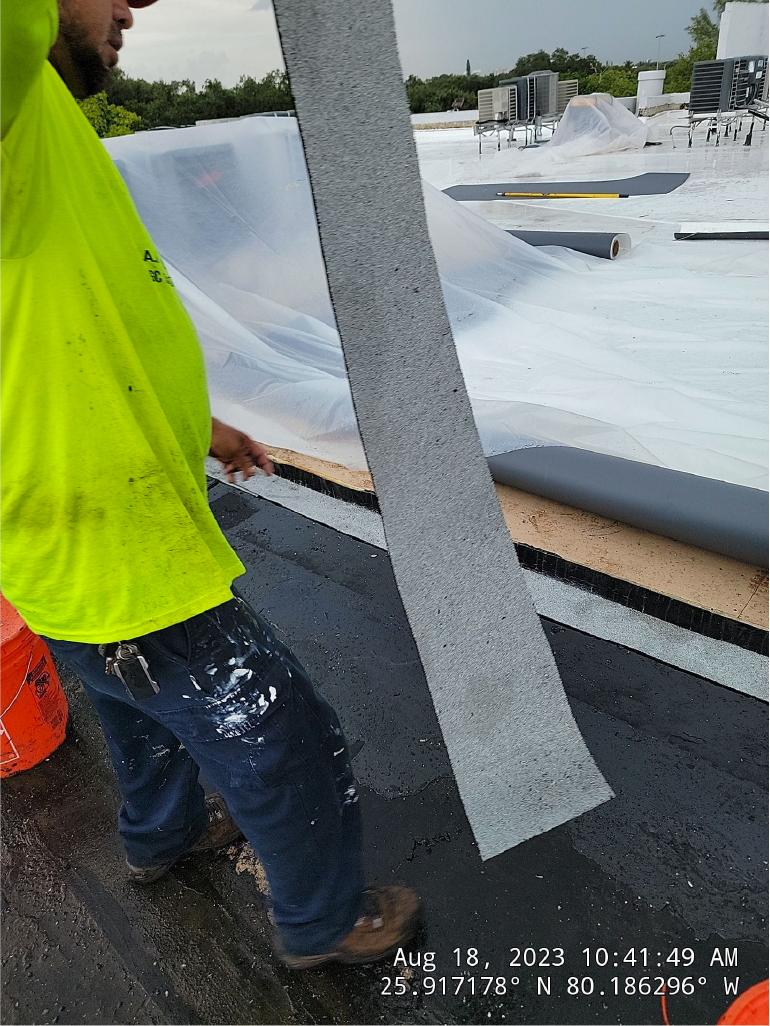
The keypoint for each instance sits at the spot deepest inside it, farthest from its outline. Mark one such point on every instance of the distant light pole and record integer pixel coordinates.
(583, 50)
(657, 61)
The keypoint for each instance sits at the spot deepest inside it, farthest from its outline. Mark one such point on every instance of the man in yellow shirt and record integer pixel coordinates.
(110, 550)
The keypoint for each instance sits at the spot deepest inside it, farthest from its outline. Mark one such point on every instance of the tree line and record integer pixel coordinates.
(133, 104)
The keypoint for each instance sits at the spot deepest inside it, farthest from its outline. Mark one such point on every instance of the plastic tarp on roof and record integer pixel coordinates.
(554, 350)
(596, 123)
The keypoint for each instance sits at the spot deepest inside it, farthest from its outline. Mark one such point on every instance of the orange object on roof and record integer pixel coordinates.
(750, 1009)
(33, 706)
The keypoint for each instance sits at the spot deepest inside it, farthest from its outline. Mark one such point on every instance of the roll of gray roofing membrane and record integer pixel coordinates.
(599, 244)
(715, 515)
(519, 759)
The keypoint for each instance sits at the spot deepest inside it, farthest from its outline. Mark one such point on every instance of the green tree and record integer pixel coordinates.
(440, 92)
(109, 119)
(679, 72)
(568, 65)
(704, 32)
(615, 81)
(540, 61)
(171, 104)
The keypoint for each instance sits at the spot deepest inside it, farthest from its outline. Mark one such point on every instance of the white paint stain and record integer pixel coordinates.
(236, 718)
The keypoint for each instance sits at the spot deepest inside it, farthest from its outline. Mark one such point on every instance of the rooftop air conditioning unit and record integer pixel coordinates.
(565, 91)
(749, 78)
(486, 105)
(536, 93)
(730, 84)
(546, 85)
(525, 95)
(498, 104)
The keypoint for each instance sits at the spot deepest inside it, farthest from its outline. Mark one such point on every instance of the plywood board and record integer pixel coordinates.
(695, 576)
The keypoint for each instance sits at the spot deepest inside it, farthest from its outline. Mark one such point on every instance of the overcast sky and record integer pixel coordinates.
(225, 39)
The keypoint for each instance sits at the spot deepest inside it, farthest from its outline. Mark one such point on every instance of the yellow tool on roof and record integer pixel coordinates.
(564, 195)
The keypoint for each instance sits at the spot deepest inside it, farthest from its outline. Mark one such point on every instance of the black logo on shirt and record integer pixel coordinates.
(160, 276)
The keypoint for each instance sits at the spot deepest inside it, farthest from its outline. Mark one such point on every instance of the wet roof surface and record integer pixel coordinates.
(676, 860)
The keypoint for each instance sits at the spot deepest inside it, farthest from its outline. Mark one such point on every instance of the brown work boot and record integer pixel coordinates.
(218, 832)
(388, 920)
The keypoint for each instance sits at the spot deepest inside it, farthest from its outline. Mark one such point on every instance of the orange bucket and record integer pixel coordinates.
(750, 1009)
(33, 706)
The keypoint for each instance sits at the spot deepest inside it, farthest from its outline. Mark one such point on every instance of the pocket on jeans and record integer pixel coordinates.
(242, 694)
(172, 642)
(236, 677)
(290, 749)
(206, 719)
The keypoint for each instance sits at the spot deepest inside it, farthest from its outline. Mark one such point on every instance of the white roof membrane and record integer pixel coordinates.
(656, 357)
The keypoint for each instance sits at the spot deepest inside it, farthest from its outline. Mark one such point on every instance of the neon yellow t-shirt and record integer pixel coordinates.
(106, 529)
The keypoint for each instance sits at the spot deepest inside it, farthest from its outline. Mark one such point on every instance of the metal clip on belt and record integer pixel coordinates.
(123, 659)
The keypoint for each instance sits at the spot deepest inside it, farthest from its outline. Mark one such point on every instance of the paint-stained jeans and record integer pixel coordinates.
(235, 703)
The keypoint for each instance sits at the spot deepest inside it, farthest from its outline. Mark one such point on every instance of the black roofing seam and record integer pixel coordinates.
(643, 600)
(357, 496)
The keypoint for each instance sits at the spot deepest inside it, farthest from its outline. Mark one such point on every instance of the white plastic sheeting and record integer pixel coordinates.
(553, 351)
(596, 123)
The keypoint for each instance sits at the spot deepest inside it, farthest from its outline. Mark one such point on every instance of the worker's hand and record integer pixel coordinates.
(237, 452)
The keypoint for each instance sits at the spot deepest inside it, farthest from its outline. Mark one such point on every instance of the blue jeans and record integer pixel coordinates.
(235, 703)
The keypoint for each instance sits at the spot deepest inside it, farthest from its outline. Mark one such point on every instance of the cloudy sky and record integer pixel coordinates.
(225, 39)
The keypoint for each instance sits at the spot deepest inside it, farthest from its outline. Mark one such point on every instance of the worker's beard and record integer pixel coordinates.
(85, 62)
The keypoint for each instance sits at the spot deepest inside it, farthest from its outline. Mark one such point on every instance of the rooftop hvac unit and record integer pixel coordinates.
(749, 78)
(500, 104)
(486, 105)
(725, 85)
(536, 93)
(525, 95)
(546, 92)
(529, 86)
(565, 90)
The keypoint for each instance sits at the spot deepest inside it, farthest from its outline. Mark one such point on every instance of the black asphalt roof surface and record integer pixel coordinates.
(677, 861)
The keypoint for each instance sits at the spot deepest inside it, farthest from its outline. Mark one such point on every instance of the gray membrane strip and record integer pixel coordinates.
(715, 515)
(716, 661)
(652, 183)
(607, 245)
(519, 759)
